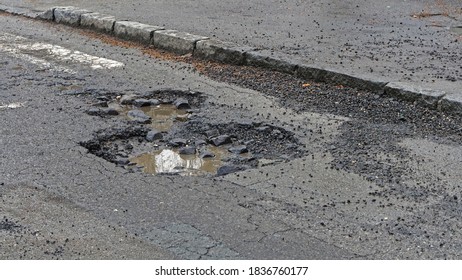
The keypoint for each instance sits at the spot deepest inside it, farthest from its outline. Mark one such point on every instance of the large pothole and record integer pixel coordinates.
(168, 132)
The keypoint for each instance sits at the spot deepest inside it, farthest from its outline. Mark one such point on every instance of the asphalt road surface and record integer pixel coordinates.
(330, 172)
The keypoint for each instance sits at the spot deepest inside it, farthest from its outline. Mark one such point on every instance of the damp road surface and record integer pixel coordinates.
(265, 166)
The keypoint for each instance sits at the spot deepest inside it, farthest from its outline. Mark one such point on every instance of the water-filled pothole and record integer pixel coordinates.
(168, 133)
(170, 161)
(163, 116)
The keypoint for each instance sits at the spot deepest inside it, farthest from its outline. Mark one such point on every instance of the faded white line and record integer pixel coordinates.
(43, 64)
(41, 53)
(12, 105)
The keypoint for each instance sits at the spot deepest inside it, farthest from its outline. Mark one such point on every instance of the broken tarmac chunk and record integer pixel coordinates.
(154, 135)
(221, 140)
(206, 154)
(128, 99)
(189, 150)
(139, 116)
(181, 103)
(177, 142)
(200, 142)
(241, 149)
(94, 111)
(141, 102)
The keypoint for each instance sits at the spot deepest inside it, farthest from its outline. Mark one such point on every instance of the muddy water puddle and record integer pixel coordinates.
(163, 116)
(168, 161)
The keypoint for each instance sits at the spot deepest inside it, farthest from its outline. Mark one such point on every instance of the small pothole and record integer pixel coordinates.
(163, 116)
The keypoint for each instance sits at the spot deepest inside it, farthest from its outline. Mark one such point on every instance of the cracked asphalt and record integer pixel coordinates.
(379, 182)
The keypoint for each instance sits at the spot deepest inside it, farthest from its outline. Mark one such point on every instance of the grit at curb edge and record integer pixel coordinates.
(230, 53)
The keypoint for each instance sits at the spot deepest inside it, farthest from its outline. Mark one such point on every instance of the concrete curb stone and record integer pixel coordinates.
(97, 21)
(69, 15)
(408, 92)
(451, 103)
(135, 31)
(312, 72)
(225, 52)
(271, 60)
(176, 41)
(48, 15)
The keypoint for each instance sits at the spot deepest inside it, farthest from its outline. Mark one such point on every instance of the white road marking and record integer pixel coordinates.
(34, 60)
(12, 105)
(41, 53)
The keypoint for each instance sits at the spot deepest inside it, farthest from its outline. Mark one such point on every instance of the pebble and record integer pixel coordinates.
(181, 103)
(94, 111)
(221, 140)
(154, 135)
(176, 142)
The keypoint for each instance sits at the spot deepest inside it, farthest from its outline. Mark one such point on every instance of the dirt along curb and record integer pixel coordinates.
(230, 53)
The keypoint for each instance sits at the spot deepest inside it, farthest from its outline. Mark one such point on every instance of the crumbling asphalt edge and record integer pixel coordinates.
(230, 53)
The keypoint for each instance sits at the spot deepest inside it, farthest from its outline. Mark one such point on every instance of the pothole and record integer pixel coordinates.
(163, 116)
(169, 133)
